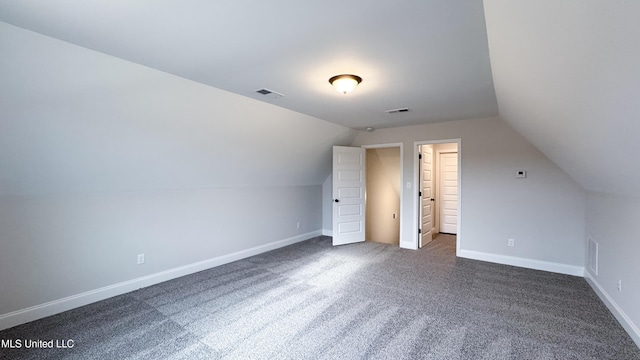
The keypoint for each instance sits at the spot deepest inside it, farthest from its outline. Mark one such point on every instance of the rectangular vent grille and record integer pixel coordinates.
(395, 111)
(593, 256)
(269, 93)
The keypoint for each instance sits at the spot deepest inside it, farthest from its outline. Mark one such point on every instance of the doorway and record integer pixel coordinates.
(349, 192)
(447, 192)
(382, 195)
(438, 180)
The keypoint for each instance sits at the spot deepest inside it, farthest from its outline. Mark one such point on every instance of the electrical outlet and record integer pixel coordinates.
(298, 225)
(511, 242)
(393, 216)
(140, 259)
(619, 285)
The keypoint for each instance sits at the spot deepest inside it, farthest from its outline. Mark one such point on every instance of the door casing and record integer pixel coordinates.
(402, 188)
(416, 199)
(441, 192)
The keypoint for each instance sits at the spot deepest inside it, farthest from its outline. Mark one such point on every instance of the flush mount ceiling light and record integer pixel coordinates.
(345, 83)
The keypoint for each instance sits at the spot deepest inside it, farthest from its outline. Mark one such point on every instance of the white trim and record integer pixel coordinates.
(402, 187)
(36, 312)
(523, 262)
(380, 146)
(349, 237)
(437, 209)
(619, 314)
(416, 179)
(326, 232)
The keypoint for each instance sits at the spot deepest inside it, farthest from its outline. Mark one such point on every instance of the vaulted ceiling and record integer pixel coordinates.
(430, 56)
(566, 73)
(567, 77)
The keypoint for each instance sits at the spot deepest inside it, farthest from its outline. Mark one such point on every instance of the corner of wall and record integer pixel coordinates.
(629, 326)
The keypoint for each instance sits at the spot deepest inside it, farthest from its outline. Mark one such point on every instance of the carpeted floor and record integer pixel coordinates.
(362, 301)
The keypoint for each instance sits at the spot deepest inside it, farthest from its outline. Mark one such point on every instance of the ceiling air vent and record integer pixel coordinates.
(269, 93)
(396, 111)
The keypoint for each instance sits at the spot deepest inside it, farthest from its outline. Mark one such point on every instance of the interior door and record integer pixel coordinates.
(426, 198)
(448, 193)
(348, 195)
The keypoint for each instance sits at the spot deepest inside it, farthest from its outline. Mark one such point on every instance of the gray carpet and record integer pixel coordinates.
(362, 301)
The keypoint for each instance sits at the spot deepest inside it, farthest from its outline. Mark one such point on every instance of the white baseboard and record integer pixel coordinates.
(619, 314)
(36, 312)
(326, 232)
(522, 262)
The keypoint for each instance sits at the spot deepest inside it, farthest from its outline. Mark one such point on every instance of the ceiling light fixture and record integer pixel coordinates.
(345, 83)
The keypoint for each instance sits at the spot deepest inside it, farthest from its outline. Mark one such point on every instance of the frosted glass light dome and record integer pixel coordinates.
(345, 83)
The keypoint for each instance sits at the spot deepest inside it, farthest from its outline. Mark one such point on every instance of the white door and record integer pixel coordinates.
(348, 195)
(426, 198)
(448, 193)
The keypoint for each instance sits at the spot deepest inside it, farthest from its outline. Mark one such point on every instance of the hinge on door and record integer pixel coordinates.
(419, 156)
(419, 193)
(419, 231)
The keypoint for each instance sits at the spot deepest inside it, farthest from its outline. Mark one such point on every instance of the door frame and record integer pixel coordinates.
(421, 200)
(402, 188)
(438, 153)
(439, 187)
(416, 198)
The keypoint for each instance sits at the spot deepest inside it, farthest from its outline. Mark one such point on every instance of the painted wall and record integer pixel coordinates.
(327, 205)
(61, 245)
(612, 221)
(75, 120)
(383, 195)
(544, 213)
(102, 159)
(567, 78)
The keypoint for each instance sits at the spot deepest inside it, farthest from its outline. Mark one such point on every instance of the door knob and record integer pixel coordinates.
(336, 200)
(432, 199)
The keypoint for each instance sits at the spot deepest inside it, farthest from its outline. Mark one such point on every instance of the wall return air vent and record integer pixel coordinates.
(396, 111)
(269, 93)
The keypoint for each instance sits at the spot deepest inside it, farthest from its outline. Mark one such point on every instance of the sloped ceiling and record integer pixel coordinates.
(76, 120)
(567, 77)
(430, 55)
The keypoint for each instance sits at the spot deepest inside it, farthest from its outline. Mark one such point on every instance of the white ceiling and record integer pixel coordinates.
(430, 56)
(567, 77)
(74, 120)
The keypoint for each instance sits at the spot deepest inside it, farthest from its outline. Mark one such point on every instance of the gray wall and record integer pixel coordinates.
(62, 245)
(544, 213)
(102, 159)
(612, 221)
(577, 106)
(579, 109)
(327, 205)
